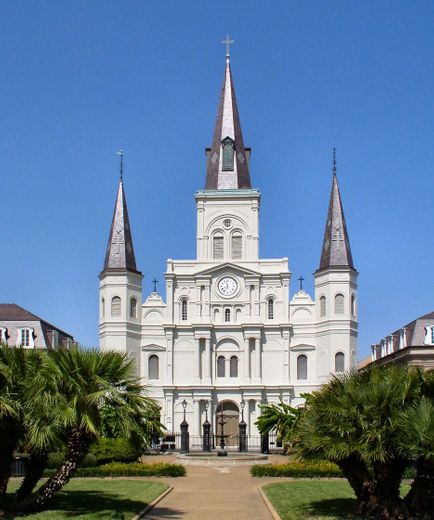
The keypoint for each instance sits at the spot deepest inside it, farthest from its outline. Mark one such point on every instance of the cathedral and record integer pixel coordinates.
(228, 337)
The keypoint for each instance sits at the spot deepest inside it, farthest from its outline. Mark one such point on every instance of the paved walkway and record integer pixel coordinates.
(212, 493)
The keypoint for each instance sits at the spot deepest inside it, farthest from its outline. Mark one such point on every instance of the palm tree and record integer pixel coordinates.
(280, 418)
(18, 369)
(82, 383)
(353, 421)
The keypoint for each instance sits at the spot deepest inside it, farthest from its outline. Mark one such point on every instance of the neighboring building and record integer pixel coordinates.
(21, 328)
(228, 334)
(411, 345)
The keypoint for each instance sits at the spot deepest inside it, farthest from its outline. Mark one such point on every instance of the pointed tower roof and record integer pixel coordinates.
(227, 130)
(120, 252)
(336, 251)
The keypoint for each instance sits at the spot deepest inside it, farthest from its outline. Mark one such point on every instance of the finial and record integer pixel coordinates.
(334, 162)
(228, 42)
(155, 281)
(121, 164)
(301, 280)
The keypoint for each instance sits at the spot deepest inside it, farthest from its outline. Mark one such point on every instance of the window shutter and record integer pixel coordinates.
(237, 246)
(218, 247)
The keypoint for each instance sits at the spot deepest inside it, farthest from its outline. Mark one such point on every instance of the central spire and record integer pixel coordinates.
(227, 160)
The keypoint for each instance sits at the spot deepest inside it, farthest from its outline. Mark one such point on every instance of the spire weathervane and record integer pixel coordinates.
(334, 161)
(121, 164)
(228, 42)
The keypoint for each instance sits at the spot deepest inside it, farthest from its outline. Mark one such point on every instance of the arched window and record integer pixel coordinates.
(237, 245)
(271, 309)
(340, 362)
(233, 366)
(227, 315)
(116, 306)
(322, 306)
(133, 308)
(353, 305)
(184, 310)
(102, 307)
(228, 154)
(302, 367)
(339, 304)
(153, 367)
(217, 246)
(221, 366)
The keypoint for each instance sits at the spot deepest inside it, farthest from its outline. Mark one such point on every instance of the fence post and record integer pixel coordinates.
(185, 437)
(206, 426)
(265, 440)
(243, 436)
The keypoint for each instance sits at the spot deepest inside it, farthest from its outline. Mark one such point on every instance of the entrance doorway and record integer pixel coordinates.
(230, 413)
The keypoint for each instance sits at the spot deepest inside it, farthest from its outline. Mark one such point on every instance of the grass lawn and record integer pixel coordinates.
(99, 499)
(315, 499)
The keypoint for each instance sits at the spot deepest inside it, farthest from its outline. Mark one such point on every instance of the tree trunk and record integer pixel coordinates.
(35, 470)
(78, 446)
(8, 442)
(384, 498)
(419, 502)
(356, 472)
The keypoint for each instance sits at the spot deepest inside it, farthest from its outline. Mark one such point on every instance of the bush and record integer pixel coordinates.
(114, 450)
(304, 469)
(89, 461)
(54, 459)
(134, 469)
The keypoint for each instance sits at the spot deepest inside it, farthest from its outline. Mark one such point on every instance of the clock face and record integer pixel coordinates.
(227, 286)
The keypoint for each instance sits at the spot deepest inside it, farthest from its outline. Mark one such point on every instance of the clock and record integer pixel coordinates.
(227, 286)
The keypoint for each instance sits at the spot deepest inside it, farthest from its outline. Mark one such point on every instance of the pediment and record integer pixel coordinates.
(228, 266)
(303, 347)
(153, 348)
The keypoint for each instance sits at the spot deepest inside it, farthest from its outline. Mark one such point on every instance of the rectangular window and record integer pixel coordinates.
(25, 338)
(2, 335)
(218, 247)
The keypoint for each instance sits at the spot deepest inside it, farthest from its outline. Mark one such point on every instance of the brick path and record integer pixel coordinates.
(212, 493)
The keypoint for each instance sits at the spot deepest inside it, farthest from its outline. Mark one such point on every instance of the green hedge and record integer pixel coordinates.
(55, 460)
(134, 469)
(114, 450)
(305, 469)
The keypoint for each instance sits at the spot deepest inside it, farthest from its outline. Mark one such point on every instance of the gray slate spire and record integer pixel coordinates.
(120, 252)
(336, 251)
(221, 175)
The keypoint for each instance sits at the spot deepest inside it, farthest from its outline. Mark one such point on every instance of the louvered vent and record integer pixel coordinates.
(237, 246)
(218, 247)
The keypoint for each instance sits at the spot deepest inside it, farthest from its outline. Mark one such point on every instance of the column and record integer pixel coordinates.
(257, 358)
(197, 421)
(207, 368)
(197, 360)
(246, 358)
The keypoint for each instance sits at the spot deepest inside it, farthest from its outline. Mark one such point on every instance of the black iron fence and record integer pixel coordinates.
(254, 443)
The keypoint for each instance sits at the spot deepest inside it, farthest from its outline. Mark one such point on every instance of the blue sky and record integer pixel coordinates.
(83, 79)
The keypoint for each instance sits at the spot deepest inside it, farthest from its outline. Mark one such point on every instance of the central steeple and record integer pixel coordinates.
(227, 159)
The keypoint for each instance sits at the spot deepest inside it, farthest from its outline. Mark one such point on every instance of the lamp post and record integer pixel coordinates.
(206, 427)
(222, 452)
(185, 436)
(242, 427)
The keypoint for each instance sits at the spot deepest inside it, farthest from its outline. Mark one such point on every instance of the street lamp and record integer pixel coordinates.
(184, 405)
(206, 427)
(206, 410)
(242, 429)
(185, 436)
(243, 404)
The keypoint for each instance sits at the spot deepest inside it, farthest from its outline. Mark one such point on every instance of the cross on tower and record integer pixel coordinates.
(301, 280)
(155, 281)
(121, 165)
(228, 42)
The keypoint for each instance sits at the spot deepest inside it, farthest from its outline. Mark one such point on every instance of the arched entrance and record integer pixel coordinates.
(228, 412)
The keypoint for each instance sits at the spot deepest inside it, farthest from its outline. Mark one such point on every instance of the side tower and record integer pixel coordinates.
(120, 287)
(336, 293)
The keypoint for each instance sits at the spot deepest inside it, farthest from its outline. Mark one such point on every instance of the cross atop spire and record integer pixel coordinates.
(336, 250)
(121, 164)
(228, 42)
(227, 159)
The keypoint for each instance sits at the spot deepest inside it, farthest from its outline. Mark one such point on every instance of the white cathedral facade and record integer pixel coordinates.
(227, 335)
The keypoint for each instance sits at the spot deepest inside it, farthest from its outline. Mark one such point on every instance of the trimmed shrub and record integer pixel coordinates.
(89, 461)
(114, 450)
(133, 469)
(304, 469)
(54, 459)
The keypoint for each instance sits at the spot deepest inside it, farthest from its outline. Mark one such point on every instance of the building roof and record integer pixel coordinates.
(415, 330)
(120, 252)
(227, 126)
(13, 312)
(336, 251)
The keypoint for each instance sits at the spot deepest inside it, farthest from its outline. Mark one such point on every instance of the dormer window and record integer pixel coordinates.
(25, 338)
(228, 154)
(3, 338)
